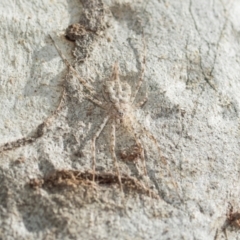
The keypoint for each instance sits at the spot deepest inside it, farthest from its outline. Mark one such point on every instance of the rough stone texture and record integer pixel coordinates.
(192, 78)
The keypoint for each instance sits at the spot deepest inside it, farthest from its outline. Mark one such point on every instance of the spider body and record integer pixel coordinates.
(118, 94)
(119, 101)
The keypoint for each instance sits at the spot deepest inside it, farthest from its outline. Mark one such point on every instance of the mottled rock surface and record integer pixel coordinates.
(192, 77)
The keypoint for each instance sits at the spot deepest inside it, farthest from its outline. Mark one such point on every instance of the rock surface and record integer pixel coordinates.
(191, 76)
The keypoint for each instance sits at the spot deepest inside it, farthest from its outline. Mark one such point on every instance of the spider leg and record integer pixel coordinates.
(94, 144)
(140, 80)
(113, 142)
(41, 129)
(49, 120)
(139, 144)
(83, 81)
(151, 136)
(140, 104)
(95, 101)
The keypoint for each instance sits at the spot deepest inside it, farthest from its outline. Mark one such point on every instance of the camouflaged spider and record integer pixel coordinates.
(119, 107)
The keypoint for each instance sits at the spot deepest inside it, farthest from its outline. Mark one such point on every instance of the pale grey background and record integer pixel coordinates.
(192, 77)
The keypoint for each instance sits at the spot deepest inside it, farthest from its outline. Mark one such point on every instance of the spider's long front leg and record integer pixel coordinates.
(49, 120)
(83, 81)
(113, 143)
(41, 129)
(94, 144)
(140, 80)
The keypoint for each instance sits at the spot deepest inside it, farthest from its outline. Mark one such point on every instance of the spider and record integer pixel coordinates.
(119, 106)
